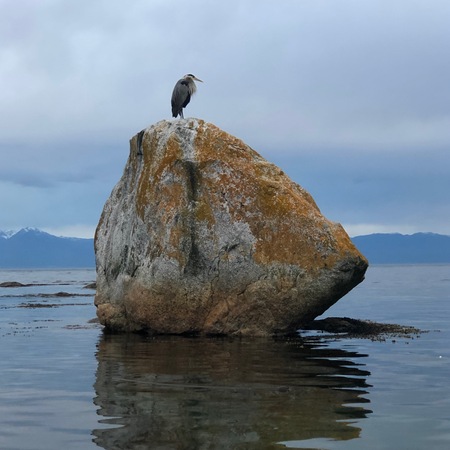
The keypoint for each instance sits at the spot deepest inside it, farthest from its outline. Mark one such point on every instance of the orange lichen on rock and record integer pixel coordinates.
(203, 235)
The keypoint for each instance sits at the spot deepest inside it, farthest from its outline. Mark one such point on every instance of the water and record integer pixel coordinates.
(64, 384)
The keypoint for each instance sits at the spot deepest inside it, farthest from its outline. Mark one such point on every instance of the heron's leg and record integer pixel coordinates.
(181, 113)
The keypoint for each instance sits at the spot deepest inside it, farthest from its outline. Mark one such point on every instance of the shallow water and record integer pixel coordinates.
(67, 385)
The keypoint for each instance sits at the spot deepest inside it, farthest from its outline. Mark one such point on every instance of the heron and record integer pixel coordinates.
(182, 92)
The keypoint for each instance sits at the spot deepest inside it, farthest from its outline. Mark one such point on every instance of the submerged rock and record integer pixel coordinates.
(203, 235)
(12, 284)
(356, 328)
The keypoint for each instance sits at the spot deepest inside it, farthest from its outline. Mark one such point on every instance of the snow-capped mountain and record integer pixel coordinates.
(33, 248)
(6, 234)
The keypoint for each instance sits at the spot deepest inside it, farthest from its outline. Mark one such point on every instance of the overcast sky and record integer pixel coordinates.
(351, 98)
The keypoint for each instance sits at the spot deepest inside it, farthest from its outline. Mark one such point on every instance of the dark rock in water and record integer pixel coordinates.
(356, 328)
(63, 294)
(203, 235)
(11, 284)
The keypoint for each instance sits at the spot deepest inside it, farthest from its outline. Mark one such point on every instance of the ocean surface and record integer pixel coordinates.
(67, 385)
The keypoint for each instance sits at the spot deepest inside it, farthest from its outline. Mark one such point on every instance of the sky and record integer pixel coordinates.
(350, 98)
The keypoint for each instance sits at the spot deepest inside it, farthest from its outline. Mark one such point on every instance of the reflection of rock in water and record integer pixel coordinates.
(181, 393)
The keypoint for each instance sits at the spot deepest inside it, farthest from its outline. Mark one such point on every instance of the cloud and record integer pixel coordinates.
(362, 229)
(399, 191)
(75, 230)
(353, 96)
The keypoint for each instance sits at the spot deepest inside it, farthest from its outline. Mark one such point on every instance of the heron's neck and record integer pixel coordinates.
(192, 88)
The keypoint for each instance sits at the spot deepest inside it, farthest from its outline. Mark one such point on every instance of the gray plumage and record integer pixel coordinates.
(182, 93)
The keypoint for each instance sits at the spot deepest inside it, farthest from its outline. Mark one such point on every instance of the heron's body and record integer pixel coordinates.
(182, 93)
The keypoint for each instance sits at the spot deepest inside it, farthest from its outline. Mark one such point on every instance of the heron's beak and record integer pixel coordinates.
(198, 79)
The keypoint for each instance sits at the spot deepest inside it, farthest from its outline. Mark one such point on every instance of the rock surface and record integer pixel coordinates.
(203, 235)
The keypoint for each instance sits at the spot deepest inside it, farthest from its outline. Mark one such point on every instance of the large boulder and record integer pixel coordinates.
(203, 235)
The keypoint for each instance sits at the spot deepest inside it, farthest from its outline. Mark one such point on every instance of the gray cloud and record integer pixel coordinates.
(351, 98)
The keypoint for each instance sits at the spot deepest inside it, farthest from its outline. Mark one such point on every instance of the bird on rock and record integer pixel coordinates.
(182, 92)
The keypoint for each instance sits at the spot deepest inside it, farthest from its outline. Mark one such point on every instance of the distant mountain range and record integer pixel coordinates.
(419, 248)
(32, 248)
